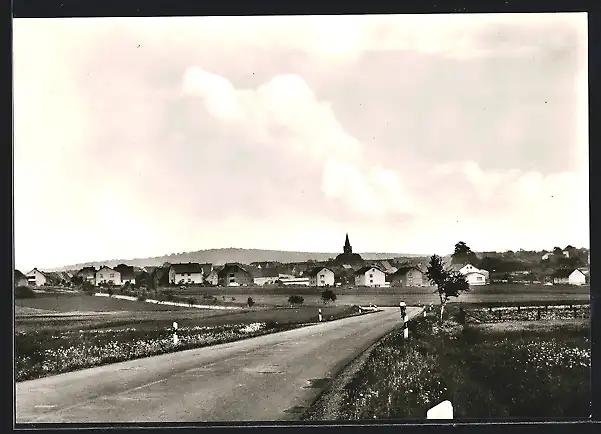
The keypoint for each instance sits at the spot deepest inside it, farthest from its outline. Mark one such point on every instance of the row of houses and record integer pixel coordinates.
(234, 274)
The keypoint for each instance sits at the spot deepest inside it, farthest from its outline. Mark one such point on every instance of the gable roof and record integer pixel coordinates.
(41, 272)
(404, 270)
(19, 275)
(365, 269)
(316, 270)
(231, 266)
(86, 270)
(206, 268)
(104, 267)
(189, 267)
(565, 272)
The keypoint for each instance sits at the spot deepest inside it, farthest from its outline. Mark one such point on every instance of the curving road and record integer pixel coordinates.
(272, 377)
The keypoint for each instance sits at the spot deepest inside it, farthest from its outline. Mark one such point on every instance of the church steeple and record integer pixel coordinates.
(348, 249)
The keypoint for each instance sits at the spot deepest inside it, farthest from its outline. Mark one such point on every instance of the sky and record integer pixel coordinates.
(139, 137)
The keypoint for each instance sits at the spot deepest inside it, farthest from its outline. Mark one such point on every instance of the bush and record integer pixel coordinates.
(328, 295)
(271, 324)
(296, 299)
(24, 292)
(191, 301)
(141, 298)
(250, 302)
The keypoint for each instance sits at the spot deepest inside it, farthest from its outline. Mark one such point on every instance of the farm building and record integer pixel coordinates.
(569, 276)
(20, 279)
(206, 269)
(87, 274)
(127, 273)
(370, 276)
(212, 278)
(36, 278)
(265, 276)
(321, 276)
(235, 275)
(186, 273)
(106, 275)
(407, 276)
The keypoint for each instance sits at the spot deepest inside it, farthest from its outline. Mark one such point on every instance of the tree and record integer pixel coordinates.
(250, 302)
(328, 295)
(463, 254)
(296, 299)
(448, 283)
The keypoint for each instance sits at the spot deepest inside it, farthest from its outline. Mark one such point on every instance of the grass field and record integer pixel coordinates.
(46, 347)
(78, 302)
(506, 293)
(526, 370)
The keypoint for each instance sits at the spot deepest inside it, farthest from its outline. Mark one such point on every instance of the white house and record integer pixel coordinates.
(474, 276)
(106, 275)
(36, 278)
(569, 277)
(321, 277)
(186, 273)
(370, 276)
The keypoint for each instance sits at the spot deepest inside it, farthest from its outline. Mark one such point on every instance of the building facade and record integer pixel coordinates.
(185, 274)
(321, 276)
(108, 276)
(370, 276)
(36, 278)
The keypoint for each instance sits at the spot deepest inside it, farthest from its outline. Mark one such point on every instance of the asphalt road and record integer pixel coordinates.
(267, 378)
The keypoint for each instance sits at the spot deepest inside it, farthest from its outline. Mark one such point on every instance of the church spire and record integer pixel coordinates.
(348, 249)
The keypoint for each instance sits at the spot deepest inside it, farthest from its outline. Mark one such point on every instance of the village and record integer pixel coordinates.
(561, 267)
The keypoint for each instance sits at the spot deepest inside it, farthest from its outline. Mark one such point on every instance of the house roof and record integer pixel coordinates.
(19, 275)
(104, 267)
(565, 272)
(404, 270)
(86, 270)
(228, 267)
(365, 269)
(189, 267)
(206, 268)
(41, 272)
(316, 270)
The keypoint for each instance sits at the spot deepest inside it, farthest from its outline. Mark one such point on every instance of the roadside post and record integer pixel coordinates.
(175, 338)
(444, 410)
(319, 315)
(404, 318)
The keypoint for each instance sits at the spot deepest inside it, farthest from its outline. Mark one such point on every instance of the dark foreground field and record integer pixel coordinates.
(533, 369)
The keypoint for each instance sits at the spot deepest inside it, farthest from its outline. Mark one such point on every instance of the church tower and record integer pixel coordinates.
(348, 249)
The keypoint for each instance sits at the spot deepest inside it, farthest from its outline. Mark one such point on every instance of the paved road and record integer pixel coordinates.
(265, 378)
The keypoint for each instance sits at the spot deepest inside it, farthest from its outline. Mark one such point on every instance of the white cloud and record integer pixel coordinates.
(311, 129)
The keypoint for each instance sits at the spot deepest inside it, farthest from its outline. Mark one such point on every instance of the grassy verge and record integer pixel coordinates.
(486, 372)
(64, 348)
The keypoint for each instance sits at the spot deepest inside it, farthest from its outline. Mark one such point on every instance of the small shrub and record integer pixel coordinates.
(24, 292)
(296, 299)
(141, 298)
(271, 324)
(328, 295)
(250, 302)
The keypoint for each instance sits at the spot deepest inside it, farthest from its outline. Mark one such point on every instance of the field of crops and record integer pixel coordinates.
(490, 370)
(49, 346)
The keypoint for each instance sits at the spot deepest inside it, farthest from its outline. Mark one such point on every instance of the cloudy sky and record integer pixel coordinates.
(145, 136)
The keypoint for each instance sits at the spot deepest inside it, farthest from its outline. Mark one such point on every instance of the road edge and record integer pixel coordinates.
(326, 405)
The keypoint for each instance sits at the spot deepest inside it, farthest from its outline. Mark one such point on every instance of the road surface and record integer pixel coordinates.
(272, 377)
